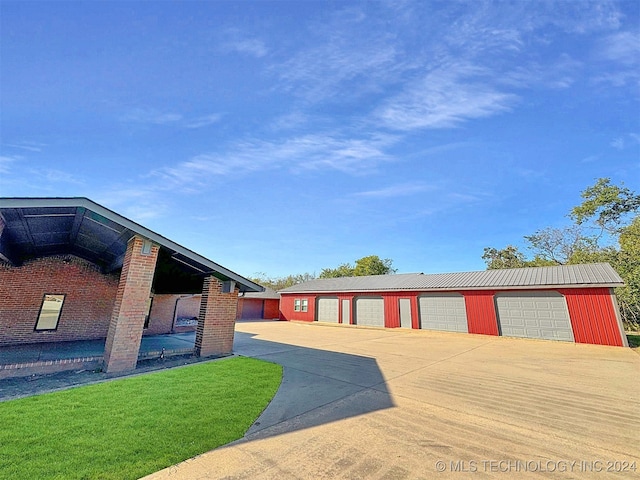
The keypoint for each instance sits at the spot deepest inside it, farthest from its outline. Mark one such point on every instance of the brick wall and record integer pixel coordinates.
(163, 309)
(217, 319)
(86, 311)
(127, 319)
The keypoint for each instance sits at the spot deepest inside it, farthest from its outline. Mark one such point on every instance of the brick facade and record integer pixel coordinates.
(216, 322)
(89, 301)
(166, 308)
(127, 319)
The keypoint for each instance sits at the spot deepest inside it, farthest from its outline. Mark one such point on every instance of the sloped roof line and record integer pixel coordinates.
(566, 276)
(83, 202)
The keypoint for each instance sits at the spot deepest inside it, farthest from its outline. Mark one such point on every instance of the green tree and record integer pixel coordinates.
(343, 270)
(607, 205)
(508, 257)
(278, 283)
(610, 209)
(371, 265)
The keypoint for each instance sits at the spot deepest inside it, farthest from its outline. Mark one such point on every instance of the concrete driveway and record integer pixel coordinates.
(393, 404)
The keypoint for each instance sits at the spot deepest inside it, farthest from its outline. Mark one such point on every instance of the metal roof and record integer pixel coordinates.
(268, 294)
(36, 227)
(565, 276)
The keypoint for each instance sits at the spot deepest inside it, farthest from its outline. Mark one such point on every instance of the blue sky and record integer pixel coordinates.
(285, 137)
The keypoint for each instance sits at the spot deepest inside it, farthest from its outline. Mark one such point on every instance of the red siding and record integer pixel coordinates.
(592, 312)
(593, 316)
(392, 309)
(481, 312)
(271, 308)
(286, 307)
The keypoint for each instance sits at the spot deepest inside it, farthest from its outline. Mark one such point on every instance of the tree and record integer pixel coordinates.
(609, 204)
(611, 209)
(278, 283)
(628, 266)
(508, 257)
(343, 270)
(371, 265)
(556, 246)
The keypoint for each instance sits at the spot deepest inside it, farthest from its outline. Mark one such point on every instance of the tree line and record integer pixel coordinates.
(369, 265)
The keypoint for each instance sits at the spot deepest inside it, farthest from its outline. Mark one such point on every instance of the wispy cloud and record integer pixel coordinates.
(624, 141)
(444, 98)
(620, 52)
(154, 117)
(399, 190)
(248, 46)
(556, 75)
(137, 202)
(5, 163)
(618, 143)
(205, 121)
(57, 176)
(290, 121)
(307, 152)
(28, 146)
(349, 58)
(590, 159)
(149, 116)
(621, 47)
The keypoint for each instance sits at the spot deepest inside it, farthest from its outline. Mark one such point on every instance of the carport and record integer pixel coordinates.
(71, 269)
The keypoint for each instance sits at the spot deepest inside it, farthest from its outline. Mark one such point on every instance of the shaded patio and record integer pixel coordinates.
(41, 358)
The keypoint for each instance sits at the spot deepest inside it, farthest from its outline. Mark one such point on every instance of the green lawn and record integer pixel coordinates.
(135, 426)
(634, 340)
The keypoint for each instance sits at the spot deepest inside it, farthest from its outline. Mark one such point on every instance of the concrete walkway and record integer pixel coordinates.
(395, 404)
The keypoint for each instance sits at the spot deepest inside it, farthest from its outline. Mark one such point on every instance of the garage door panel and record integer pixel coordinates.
(445, 312)
(369, 311)
(327, 310)
(252, 308)
(534, 315)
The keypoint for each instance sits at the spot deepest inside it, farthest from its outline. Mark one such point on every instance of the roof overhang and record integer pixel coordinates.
(38, 227)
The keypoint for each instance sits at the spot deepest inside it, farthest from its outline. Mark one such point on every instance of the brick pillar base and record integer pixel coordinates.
(217, 319)
(127, 318)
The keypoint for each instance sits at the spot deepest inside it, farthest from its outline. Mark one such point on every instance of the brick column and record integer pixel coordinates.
(217, 319)
(127, 318)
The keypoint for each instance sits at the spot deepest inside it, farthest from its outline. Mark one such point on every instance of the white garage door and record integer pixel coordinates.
(327, 310)
(534, 315)
(443, 311)
(369, 311)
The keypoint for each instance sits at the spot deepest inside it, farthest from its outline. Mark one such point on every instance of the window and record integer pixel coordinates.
(300, 305)
(49, 312)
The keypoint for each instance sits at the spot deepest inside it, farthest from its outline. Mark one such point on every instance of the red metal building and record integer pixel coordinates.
(574, 303)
